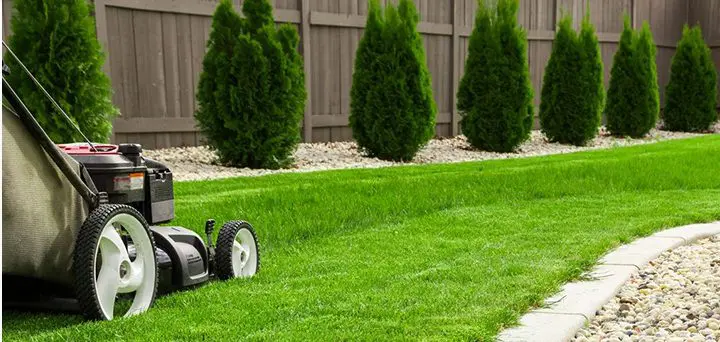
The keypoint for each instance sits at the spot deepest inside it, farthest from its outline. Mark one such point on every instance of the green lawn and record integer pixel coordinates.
(441, 252)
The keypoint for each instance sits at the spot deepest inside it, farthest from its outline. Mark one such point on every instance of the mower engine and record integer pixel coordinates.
(147, 185)
(128, 178)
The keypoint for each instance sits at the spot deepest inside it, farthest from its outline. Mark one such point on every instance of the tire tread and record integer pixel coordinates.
(84, 256)
(223, 249)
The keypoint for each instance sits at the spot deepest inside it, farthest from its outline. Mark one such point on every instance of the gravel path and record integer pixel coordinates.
(675, 298)
(196, 163)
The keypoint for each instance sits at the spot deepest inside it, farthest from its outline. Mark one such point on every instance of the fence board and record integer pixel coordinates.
(306, 49)
(116, 70)
(127, 60)
(7, 8)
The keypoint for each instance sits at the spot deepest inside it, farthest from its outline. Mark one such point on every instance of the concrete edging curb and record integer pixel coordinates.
(576, 303)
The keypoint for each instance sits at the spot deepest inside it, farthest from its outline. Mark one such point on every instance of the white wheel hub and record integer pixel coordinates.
(119, 274)
(244, 254)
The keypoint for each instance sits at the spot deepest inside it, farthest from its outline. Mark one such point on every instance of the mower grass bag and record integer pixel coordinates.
(58, 251)
(41, 211)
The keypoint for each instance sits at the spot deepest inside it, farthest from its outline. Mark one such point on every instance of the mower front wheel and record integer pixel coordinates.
(105, 271)
(237, 252)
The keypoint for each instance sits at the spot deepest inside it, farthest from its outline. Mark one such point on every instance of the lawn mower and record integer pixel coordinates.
(85, 225)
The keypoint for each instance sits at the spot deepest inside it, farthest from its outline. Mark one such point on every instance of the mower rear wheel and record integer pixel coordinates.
(237, 252)
(104, 270)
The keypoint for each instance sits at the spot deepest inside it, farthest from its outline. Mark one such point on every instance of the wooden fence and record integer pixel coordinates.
(155, 51)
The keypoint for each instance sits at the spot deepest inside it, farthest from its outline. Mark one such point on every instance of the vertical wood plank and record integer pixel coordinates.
(456, 61)
(326, 56)
(170, 62)
(321, 134)
(362, 8)
(347, 46)
(116, 65)
(101, 31)
(129, 65)
(151, 72)
(7, 9)
(185, 66)
(334, 58)
(197, 36)
(470, 8)
(307, 67)
(317, 77)
(425, 11)
(115, 48)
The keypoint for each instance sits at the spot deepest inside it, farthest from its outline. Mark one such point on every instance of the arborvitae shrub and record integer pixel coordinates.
(633, 97)
(495, 93)
(392, 111)
(56, 41)
(646, 60)
(593, 71)
(213, 94)
(572, 93)
(691, 94)
(251, 93)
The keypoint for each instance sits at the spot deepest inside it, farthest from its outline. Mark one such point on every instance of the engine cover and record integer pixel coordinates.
(128, 178)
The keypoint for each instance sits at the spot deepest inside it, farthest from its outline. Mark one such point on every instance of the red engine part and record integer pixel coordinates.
(84, 149)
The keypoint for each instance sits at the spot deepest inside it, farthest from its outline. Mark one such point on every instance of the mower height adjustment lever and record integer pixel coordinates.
(209, 228)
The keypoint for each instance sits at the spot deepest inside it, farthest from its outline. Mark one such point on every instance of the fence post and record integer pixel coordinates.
(456, 60)
(307, 62)
(101, 32)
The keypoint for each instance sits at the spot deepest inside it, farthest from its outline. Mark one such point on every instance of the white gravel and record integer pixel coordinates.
(197, 163)
(675, 298)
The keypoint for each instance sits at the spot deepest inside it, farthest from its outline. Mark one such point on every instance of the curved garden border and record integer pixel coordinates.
(577, 303)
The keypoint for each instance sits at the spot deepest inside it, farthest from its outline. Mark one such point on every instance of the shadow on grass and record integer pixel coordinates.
(26, 323)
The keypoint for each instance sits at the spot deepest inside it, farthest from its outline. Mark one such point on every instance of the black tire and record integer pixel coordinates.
(84, 267)
(223, 249)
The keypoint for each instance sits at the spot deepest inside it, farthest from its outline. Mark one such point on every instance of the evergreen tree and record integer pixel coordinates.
(365, 76)
(392, 109)
(495, 94)
(646, 60)
(56, 41)
(213, 93)
(572, 93)
(251, 93)
(633, 97)
(691, 94)
(593, 73)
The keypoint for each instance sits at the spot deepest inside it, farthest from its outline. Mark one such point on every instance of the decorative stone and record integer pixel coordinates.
(198, 163)
(676, 297)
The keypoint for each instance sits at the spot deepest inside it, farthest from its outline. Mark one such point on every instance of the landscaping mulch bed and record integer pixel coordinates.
(199, 163)
(675, 298)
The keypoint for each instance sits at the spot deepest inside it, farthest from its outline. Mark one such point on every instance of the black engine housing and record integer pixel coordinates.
(129, 178)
